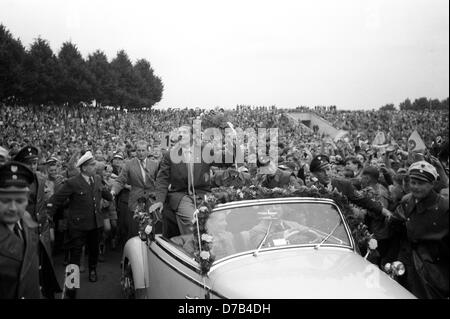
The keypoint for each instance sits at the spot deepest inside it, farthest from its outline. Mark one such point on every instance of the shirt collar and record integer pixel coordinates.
(86, 178)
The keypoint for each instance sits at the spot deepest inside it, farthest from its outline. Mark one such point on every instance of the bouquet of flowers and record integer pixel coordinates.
(202, 240)
(144, 219)
(364, 239)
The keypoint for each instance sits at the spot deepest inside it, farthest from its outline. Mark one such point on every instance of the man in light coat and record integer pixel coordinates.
(140, 173)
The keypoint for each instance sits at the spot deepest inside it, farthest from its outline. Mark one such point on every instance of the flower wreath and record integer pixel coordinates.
(203, 241)
(145, 220)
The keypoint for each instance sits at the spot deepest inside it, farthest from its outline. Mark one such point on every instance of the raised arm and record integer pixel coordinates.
(119, 183)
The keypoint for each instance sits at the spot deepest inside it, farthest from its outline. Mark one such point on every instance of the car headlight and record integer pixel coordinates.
(399, 268)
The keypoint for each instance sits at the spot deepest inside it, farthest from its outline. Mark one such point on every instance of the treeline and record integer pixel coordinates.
(419, 104)
(38, 76)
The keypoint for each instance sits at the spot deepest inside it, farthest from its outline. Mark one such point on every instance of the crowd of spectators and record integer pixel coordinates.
(399, 123)
(63, 133)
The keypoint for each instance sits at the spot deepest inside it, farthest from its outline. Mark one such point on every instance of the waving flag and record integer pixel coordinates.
(415, 143)
(379, 139)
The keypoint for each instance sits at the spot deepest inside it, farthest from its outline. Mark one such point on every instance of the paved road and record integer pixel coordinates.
(108, 284)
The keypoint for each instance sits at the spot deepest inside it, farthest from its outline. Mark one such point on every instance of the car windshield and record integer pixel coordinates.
(254, 228)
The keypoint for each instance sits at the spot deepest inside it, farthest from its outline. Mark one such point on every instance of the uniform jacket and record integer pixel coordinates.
(84, 207)
(19, 262)
(423, 228)
(132, 174)
(346, 188)
(176, 175)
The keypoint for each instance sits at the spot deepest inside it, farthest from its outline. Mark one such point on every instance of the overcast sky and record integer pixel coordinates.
(355, 54)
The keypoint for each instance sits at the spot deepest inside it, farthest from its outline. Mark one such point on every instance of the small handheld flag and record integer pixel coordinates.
(415, 143)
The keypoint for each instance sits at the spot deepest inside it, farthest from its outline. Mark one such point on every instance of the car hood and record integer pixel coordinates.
(303, 273)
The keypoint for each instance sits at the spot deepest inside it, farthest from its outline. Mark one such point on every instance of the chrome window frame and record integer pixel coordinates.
(292, 200)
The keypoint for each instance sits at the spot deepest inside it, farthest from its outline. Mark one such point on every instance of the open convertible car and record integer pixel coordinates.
(268, 248)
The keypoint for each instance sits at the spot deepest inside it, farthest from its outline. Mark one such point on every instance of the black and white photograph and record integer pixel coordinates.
(248, 151)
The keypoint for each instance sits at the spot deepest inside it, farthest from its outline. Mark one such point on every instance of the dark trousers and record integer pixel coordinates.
(47, 278)
(91, 239)
(130, 227)
(122, 221)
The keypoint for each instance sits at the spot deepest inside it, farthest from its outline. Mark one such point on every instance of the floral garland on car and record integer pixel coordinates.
(144, 218)
(203, 241)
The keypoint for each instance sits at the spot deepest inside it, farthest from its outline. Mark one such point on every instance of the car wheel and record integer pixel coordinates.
(127, 282)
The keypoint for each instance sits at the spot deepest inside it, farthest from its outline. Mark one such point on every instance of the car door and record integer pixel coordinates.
(173, 273)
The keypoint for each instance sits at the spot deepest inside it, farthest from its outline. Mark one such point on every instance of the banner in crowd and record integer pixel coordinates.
(379, 139)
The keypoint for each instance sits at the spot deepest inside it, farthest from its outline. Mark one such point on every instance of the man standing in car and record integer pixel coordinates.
(188, 178)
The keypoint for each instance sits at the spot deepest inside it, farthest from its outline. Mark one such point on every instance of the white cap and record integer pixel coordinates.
(242, 169)
(83, 159)
(423, 170)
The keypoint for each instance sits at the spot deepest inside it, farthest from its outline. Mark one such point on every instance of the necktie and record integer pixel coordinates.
(190, 171)
(18, 232)
(143, 169)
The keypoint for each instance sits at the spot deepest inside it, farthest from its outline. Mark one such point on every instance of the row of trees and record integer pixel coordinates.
(419, 104)
(38, 76)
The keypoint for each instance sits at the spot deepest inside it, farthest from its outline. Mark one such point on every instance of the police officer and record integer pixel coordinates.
(421, 222)
(36, 207)
(84, 193)
(19, 260)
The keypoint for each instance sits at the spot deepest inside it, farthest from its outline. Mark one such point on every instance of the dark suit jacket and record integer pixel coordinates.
(19, 262)
(175, 175)
(84, 208)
